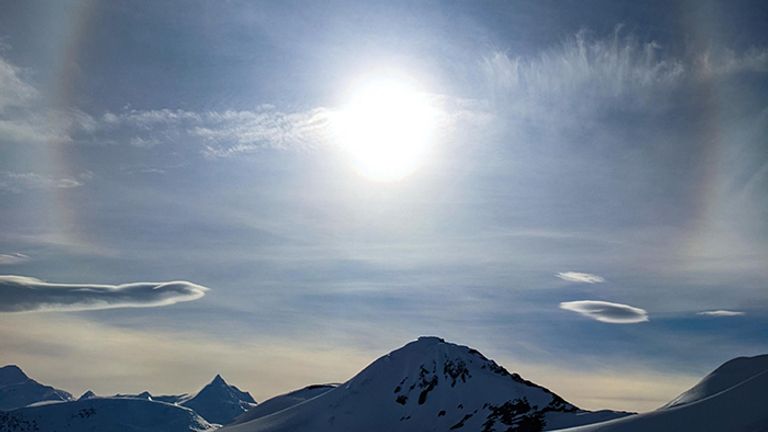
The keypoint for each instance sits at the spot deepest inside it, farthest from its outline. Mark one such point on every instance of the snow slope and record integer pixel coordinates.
(732, 398)
(104, 415)
(429, 385)
(726, 376)
(18, 390)
(219, 402)
(281, 402)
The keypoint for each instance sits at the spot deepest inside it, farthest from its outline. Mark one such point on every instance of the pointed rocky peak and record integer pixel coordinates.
(87, 395)
(12, 374)
(220, 402)
(219, 381)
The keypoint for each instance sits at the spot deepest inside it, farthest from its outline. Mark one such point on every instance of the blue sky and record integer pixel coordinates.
(622, 142)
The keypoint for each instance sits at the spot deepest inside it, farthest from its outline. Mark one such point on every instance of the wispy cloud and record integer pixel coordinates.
(584, 70)
(607, 312)
(15, 91)
(15, 182)
(13, 258)
(27, 294)
(721, 313)
(587, 74)
(22, 118)
(224, 133)
(579, 277)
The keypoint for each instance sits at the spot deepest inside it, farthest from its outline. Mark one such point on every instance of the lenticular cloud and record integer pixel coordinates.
(721, 313)
(27, 294)
(607, 312)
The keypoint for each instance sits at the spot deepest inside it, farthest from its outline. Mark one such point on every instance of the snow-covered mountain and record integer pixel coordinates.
(732, 398)
(219, 402)
(18, 390)
(429, 385)
(283, 401)
(104, 415)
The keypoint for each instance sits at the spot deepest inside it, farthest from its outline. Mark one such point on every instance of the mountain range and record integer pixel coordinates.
(427, 385)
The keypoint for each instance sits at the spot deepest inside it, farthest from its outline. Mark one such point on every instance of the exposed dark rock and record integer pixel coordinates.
(517, 415)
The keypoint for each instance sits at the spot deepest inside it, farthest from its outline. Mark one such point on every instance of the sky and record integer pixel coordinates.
(583, 198)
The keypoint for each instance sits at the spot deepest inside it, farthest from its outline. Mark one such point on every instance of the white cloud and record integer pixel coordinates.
(27, 294)
(607, 312)
(18, 182)
(13, 258)
(572, 276)
(721, 313)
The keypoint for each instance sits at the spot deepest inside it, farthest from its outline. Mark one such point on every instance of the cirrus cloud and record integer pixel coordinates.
(579, 277)
(28, 294)
(607, 312)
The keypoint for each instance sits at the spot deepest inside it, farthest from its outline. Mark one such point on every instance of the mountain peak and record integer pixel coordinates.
(18, 390)
(87, 395)
(428, 384)
(429, 340)
(12, 374)
(219, 402)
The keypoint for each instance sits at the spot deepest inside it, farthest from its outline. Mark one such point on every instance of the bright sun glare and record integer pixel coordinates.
(387, 127)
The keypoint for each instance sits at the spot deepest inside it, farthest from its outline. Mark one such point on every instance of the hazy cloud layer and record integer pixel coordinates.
(27, 294)
(13, 258)
(721, 313)
(572, 276)
(607, 312)
(215, 133)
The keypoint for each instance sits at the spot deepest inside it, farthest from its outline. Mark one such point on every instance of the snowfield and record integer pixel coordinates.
(732, 398)
(104, 415)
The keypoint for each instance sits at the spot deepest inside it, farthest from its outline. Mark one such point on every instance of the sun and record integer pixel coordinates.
(387, 127)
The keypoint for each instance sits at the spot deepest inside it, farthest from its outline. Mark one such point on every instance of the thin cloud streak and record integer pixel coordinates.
(13, 258)
(27, 294)
(579, 277)
(15, 182)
